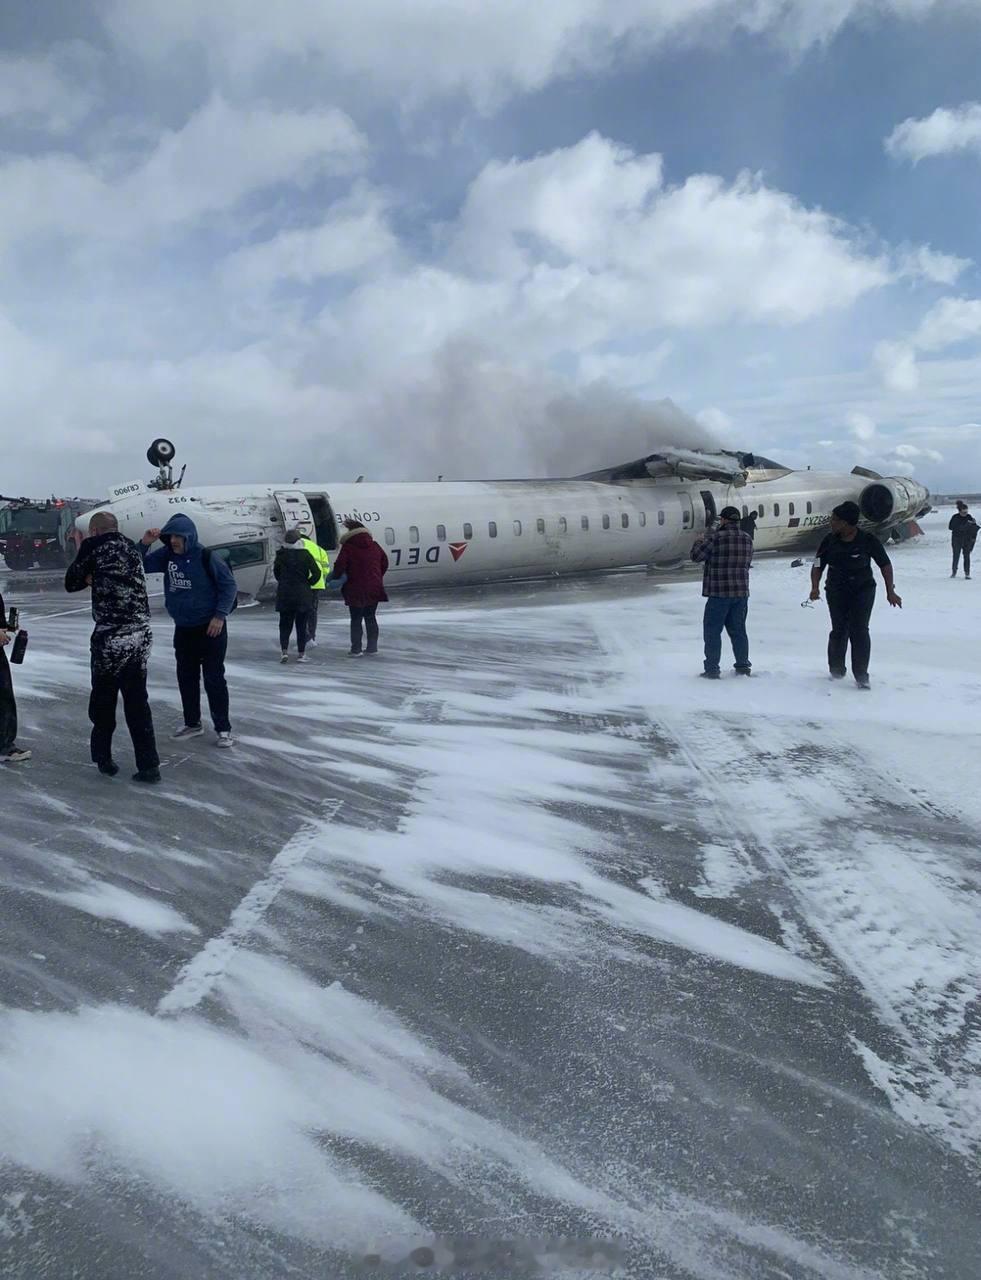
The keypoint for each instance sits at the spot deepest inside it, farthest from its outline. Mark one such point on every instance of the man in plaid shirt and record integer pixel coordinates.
(726, 553)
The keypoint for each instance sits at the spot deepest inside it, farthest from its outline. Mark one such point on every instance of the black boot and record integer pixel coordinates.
(108, 767)
(147, 775)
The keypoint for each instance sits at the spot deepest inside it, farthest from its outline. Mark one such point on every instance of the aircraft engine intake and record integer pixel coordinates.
(890, 501)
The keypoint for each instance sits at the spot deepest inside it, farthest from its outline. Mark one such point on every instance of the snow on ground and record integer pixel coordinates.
(521, 931)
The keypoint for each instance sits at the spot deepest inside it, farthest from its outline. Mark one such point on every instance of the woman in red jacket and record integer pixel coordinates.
(364, 564)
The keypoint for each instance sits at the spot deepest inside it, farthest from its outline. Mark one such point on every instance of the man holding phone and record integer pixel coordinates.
(10, 753)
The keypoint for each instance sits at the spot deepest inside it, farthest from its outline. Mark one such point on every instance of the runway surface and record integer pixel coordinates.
(517, 931)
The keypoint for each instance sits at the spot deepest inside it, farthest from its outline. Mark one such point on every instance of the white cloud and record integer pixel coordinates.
(946, 131)
(951, 321)
(947, 323)
(923, 263)
(221, 155)
(486, 51)
(897, 366)
(862, 426)
(353, 235)
(53, 93)
(594, 226)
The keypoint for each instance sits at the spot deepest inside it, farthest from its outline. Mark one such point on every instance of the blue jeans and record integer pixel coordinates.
(727, 612)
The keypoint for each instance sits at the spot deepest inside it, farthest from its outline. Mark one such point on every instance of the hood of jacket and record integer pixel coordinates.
(184, 527)
(356, 537)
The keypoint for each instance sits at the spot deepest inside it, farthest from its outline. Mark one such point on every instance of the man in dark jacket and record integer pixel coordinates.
(10, 753)
(363, 562)
(296, 573)
(199, 592)
(748, 525)
(963, 535)
(120, 649)
(726, 553)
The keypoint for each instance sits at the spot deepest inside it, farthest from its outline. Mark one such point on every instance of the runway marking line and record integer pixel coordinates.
(203, 971)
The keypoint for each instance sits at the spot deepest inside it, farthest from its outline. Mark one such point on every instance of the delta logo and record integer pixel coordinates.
(457, 549)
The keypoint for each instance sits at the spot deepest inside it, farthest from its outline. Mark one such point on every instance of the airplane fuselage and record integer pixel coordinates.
(445, 533)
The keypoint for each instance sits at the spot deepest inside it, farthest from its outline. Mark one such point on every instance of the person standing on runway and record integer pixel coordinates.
(10, 753)
(295, 571)
(963, 535)
(120, 648)
(726, 553)
(363, 562)
(200, 593)
(847, 553)
(322, 561)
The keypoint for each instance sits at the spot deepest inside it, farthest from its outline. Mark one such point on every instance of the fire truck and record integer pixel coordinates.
(36, 533)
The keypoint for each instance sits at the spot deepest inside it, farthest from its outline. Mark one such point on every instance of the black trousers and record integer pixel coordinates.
(850, 610)
(200, 655)
(8, 707)
(130, 681)
(962, 549)
(312, 616)
(367, 617)
(288, 619)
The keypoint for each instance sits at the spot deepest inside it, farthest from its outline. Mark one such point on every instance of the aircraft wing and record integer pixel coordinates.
(686, 464)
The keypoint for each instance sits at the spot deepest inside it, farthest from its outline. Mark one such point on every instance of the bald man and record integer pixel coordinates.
(111, 565)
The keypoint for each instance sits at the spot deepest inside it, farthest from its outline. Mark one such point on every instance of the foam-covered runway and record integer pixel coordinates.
(519, 931)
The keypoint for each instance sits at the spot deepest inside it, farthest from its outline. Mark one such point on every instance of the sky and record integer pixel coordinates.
(482, 240)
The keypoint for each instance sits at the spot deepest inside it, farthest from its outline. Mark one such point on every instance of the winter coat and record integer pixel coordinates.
(963, 530)
(365, 564)
(194, 592)
(119, 599)
(296, 572)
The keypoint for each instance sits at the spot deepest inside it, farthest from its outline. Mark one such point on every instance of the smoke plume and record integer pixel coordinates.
(473, 417)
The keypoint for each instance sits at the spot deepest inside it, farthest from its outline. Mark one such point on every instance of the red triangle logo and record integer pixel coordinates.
(457, 549)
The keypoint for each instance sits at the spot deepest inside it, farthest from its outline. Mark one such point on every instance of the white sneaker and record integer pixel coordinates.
(16, 755)
(285, 658)
(225, 740)
(302, 657)
(188, 731)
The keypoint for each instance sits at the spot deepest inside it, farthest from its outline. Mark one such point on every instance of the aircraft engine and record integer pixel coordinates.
(892, 500)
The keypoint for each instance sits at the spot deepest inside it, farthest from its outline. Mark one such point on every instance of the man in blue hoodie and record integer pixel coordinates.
(199, 592)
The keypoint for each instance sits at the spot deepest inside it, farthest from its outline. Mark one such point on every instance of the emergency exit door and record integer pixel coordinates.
(294, 509)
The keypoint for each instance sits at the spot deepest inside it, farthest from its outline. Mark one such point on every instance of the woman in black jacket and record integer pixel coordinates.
(295, 571)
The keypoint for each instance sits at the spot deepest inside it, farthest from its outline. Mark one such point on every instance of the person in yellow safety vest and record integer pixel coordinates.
(323, 564)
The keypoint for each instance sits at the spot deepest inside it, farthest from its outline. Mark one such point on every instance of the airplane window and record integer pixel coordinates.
(790, 508)
(239, 554)
(625, 520)
(686, 518)
(441, 533)
(810, 507)
(745, 510)
(660, 517)
(776, 508)
(517, 528)
(563, 525)
(492, 528)
(606, 522)
(468, 531)
(585, 523)
(413, 533)
(390, 537)
(541, 525)
(643, 519)
(762, 512)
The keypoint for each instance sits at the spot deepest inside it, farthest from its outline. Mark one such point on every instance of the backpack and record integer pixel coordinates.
(206, 561)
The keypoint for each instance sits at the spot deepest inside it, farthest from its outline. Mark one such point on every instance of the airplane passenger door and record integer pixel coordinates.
(294, 508)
